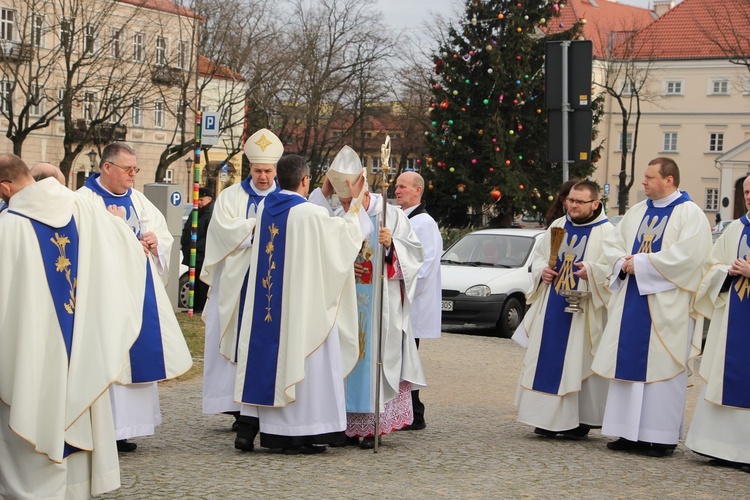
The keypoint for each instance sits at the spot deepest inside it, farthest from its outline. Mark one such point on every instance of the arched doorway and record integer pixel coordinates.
(739, 199)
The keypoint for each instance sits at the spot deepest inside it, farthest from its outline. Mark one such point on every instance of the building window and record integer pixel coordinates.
(180, 117)
(374, 165)
(138, 42)
(719, 87)
(89, 103)
(673, 87)
(716, 142)
(161, 51)
(712, 198)
(137, 116)
(670, 142)
(411, 164)
(628, 143)
(37, 101)
(226, 118)
(159, 114)
(628, 88)
(6, 96)
(169, 176)
(183, 55)
(116, 48)
(7, 24)
(89, 39)
(67, 28)
(114, 108)
(61, 104)
(37, 30)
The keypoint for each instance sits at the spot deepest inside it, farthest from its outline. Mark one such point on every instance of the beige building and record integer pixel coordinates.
(695, 107)
(114, 68)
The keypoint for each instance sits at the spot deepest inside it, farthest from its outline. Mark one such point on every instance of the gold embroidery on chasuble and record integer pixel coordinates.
(62, 265)
(268, 280)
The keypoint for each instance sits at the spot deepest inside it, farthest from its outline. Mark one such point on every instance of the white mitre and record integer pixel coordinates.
(346, 166)
(264, 147)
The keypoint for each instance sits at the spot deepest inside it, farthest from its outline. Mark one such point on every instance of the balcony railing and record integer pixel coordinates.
(15, 51)
(102, 133)
(164, 75)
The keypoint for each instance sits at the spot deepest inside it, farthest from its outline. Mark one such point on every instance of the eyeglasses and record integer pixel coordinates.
(129, 170)
(6, 180)
(573, 201)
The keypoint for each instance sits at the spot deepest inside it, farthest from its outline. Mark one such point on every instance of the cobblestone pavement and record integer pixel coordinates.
(471, 448)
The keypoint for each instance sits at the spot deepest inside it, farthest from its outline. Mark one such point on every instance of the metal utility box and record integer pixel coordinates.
(168, 199)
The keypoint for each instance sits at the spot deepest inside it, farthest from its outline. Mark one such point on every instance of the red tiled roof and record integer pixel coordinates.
(162, 6)
(207, 67)
(697, 29)
(603, 17)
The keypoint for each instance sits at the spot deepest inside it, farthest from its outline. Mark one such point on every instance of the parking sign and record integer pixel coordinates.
(210, 129)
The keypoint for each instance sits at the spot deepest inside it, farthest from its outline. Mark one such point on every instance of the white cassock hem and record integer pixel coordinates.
(562, 413)
(320, 407)
(719, 431)
(135, 409)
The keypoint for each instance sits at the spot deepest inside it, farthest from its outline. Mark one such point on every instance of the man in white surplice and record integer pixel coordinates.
(296, 345)
(225, 269)
(70, 300)
(655, 255)
(721, 423)
(160, 352)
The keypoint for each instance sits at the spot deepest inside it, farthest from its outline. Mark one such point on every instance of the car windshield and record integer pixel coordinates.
(492, 250)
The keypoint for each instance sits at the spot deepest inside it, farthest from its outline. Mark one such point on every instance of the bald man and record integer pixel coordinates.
(426, 308)
(56, 363)
(43, 170)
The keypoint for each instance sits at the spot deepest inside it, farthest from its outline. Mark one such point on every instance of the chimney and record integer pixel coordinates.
(661, 7)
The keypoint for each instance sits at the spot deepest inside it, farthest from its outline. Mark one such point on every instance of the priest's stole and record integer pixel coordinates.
(360, 385)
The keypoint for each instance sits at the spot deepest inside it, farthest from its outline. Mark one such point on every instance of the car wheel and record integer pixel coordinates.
(510, 317)
(184, 291)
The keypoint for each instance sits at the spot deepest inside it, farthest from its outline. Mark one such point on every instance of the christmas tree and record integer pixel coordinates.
(488, 139)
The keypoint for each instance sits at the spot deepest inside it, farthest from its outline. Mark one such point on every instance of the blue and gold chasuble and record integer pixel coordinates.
(59, 249)
(265, 330)
(635, 326)
(736, 386)
(253, 200)
(553, 346)
(147, 353)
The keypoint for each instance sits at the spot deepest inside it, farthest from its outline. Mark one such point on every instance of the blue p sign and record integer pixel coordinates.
(175, 198)
(210, 122)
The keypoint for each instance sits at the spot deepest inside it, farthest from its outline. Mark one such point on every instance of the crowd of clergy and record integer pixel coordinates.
(315, 309)
(617, 313)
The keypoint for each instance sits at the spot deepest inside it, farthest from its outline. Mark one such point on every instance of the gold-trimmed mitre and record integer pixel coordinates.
(264, 147)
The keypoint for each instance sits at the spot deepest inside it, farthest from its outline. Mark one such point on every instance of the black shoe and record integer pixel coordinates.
(623, 444)
(368, 443)
(349, 441)
(415, 426)
(125, 446)
(308, 449)
(545, 432)
(243, 444)
(578, 434)
(659, 450)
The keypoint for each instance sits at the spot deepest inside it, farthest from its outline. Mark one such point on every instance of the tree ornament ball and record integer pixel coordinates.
(520, 127)
(445, 54)
(430, 159)
(533, 207)
(467, 81)
(518, 82)
(473, 161)
(494, 140)
(480, 131)
(520, 186)
(432, 105)
(526, 18)
(455, 56)
(518, 58)
(497, 150)
(511, 132)
(550, 198)
(488, 48)
(444, 104)
(451, 169)
(431, 186)
(520, 158)
(460, 188)
(492, 169)
(507, 162)
(489, 71)
(455, 92)
(437, 86)
(515, 101)
(542, 21)
(583, 21)
(460, 137)
(538, 111)
(434, 124)
(450, 122)
(419, 161)
(519, 29)
(463, 109)
(495, 194)
(486, 102)
(500, 16)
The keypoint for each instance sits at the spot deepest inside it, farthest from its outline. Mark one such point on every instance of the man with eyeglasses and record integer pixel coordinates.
(64, 332)
(225, 269)
(558, 394)
(655, 256)
(160, 352)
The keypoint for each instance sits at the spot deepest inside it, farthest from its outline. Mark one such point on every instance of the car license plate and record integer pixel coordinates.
(447, 305)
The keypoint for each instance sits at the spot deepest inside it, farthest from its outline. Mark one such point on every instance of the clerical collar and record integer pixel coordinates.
(263, 193)
(666, 201)
(286, 191)
(409, 210)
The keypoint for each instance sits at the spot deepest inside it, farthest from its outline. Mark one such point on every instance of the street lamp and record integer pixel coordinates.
(92, 161)
(189, 163)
